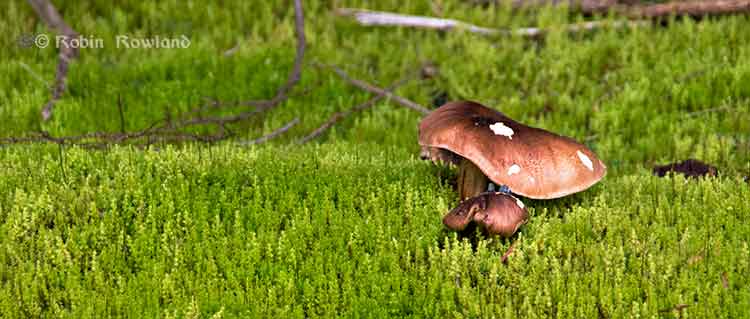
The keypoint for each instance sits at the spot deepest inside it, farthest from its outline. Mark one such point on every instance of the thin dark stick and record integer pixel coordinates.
(169, 128)
(713, 109)
(281, 95)
(341, 115)
(337, 117)
(688, 8)
(504, 258)
(61, 161)
(49, 14)
(379, 91)
(585, 6)
(633, 9)
(274, 134)
(122, 115)
(295, 74)
(724, 280)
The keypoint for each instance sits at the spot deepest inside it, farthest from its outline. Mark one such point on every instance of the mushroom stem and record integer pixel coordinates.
(471, 180)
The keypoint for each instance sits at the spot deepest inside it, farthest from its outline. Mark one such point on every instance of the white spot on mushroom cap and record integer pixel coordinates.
(514, 169)
(500, 129)
(520, 204)
(585, 160)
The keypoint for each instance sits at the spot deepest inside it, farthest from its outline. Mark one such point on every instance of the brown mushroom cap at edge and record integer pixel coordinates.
(498, 213)
(532, 162)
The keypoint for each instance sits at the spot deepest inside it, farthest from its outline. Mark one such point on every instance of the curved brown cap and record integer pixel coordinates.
(533, 162)
(499, 214)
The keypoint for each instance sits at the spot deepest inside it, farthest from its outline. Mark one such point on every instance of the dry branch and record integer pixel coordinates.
(586, 6)
(691, 8)
(168, 129)
(272, 135)
(376, 18)
(341, 115)
(380, 91)
(282, 94)
(633, 9)
(294, 75)
(48, 13)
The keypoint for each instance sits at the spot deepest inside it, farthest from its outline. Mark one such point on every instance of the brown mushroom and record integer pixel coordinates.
(489, 146)
(498, 213)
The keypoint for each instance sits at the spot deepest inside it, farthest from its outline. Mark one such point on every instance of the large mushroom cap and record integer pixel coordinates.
(533, 162)
(498, 213)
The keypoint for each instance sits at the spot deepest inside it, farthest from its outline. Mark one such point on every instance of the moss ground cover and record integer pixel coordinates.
(350, 225)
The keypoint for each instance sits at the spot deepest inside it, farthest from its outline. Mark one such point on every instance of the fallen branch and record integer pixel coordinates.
(376, 18)
(48, 13)
(282, 94)
(632, 9)
(379, 91)
(585, 6)
(272, 135)
(690, 8)
(295, 74)
(336, 117)
(168, 129)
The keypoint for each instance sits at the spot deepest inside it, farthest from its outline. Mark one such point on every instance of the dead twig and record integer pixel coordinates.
(296, 73)
(189, 118)
(379, 91)
(710, 110)
(725, 280)
(377, 18)
(633, 9)
(61, 162)
(504, 258)
(49, 14)
(585, 6)
(169, 129)
(121, 113)
(336, 117)
(687, 8)
(274, 134)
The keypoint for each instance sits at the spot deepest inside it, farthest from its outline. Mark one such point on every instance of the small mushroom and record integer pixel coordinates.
(489, 146)
(498, 213)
